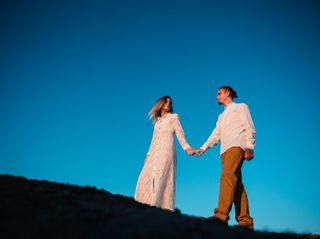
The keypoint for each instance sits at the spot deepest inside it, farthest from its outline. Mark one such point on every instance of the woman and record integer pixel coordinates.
(156, 183)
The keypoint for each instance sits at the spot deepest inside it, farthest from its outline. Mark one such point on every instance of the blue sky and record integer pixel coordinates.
(78, 79)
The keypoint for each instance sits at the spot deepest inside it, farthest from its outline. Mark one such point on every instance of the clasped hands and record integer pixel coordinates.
(191, 151)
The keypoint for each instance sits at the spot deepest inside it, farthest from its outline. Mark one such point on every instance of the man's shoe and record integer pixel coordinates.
(248, 227)
(215, 220)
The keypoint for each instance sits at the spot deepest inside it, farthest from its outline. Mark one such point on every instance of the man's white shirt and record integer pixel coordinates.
(234, 127)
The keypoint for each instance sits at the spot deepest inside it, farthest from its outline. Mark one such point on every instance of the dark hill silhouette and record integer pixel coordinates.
(42, 209)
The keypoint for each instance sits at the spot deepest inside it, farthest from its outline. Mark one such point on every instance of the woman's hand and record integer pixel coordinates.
(190, 151)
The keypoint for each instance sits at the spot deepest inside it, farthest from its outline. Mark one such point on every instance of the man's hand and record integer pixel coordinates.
(248, 154)
(190, 151)
(199, 152)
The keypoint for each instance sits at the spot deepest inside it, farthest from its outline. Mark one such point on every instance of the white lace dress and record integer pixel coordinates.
(156, 183)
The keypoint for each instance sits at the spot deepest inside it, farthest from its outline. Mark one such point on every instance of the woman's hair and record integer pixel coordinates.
(155, 111)
(232, 92)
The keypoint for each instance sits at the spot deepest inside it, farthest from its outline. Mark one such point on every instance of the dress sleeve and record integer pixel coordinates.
(179, 133)
(214, 138)
(250, 132)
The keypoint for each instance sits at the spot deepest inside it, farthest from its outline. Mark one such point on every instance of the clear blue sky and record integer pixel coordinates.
(79, 77)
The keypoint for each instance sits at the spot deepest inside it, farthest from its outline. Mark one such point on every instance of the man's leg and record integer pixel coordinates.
(232, 161)
(242, 205)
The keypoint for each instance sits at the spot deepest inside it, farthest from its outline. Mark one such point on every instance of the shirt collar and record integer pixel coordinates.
(229, 106)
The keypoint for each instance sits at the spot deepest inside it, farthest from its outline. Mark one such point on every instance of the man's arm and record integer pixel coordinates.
(250, 132)
(213, 139)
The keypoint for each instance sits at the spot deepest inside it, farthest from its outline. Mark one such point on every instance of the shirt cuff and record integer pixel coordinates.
(250, 146)
(186, 147)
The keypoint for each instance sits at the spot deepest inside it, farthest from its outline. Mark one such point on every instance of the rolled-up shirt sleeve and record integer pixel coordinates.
(215, 136)
(247, 123)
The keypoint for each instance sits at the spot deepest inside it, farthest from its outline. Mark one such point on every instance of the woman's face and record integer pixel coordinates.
(167, 105)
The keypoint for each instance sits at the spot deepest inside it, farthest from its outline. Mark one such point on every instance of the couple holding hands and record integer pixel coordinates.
(235, 130)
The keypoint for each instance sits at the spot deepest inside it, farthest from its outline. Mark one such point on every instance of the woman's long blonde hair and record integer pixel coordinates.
(155, 111)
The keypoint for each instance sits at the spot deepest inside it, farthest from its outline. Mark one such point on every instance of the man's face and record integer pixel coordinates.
(222, 95)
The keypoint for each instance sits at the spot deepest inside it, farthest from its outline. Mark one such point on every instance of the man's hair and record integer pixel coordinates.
(232, 92)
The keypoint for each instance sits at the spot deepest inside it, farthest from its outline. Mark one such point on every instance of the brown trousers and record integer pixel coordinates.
(232, 189)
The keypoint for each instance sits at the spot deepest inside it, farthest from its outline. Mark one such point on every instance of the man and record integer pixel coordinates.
(236, 132)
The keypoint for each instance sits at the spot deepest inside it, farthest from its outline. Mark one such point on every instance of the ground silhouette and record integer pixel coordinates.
(42, 209)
